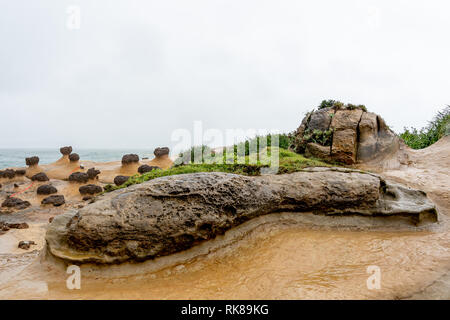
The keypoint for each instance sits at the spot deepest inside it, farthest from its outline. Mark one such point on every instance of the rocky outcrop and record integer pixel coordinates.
(55, 200)
(41, 176)
(346, 134)
(130, 158)
(15, 203)
(171, 214)
(46, 189)
(146, 168)
(65, 151)
(119, 180)
(90, 189)
(20, 172)
(80, 177)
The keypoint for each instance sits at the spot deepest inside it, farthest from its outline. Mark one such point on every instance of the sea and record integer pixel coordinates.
(16, 157)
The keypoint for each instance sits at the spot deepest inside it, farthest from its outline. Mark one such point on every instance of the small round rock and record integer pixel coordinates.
(46, 189)
(146, 168)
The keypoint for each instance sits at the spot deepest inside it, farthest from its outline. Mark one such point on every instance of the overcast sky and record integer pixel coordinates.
(135, 71)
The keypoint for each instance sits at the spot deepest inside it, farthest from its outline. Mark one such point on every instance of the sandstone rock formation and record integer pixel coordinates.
(119, 180)
(46, 189)
(41, 176)
(171, 214)
(8, 173)
(90, 189)
(55, 200)
(347, 134)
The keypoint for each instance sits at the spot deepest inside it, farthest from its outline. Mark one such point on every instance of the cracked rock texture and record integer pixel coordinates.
(171, 214)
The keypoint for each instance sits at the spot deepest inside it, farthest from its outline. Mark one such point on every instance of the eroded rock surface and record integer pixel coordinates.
(171, 214)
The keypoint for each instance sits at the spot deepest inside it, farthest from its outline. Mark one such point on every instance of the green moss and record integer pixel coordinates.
(339, 105)
(288, 162)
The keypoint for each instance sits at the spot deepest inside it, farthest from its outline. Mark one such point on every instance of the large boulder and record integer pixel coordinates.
(119, 180)
(352, 135)
(159, 152)
(93, 173)
(90, 189)
(171, 214)
(55, 200)
(146, 168)
(74, 157)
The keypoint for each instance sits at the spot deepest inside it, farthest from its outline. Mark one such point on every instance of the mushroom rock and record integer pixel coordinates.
(161, 159)
(146, 168)
(41, 176)
(174, 213)
(16, 203)
(130, 158)
(55, 200)
(119, 180)
(74, 157)
(65, 151)
(46, 189)
(33, 166)
(351, 134)
(90, 189)
(80, 177)
(93, 173)
(32, 161)
(159, 152)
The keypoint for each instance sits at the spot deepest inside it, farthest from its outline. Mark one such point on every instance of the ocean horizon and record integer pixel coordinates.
(15, 157)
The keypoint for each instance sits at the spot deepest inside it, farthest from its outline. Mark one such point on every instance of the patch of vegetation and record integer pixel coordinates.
(425, 137)
(339, 105)
(244, 165)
